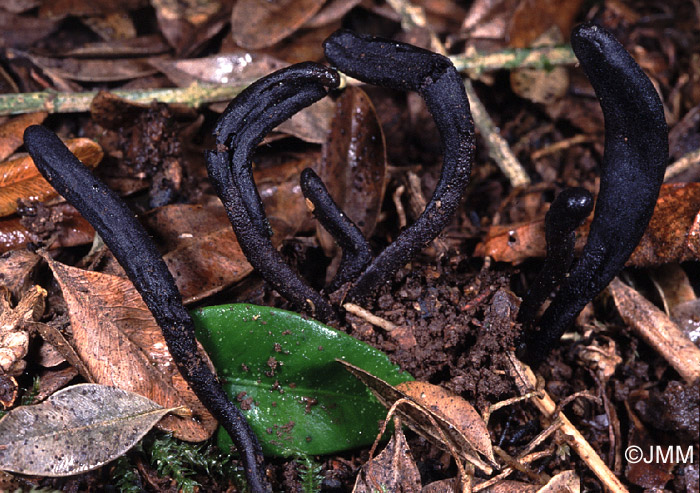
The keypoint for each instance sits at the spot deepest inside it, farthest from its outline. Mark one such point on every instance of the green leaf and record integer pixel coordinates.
(301, 401)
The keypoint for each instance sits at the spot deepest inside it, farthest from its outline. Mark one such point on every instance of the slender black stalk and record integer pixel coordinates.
(248, 118)
(636, 154)
(402, 66)
(356, 251)
(137, 254)
(567, 212)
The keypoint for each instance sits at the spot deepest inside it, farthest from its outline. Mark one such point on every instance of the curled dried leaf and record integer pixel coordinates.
(20, 179)
(433, 426)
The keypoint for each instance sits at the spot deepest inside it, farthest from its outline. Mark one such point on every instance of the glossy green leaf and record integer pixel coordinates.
(282, 368)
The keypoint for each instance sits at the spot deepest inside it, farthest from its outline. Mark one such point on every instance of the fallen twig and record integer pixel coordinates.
(525, 380)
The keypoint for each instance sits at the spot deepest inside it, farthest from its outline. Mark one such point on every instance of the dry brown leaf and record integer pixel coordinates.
(54, 338)
(510, 486)
(52, 380)
(673, 285)
(20, 31)
(92, 70)
(62, 8)
(141, 46)
(20, 179)
(71, 230)
(121, 345)
(186, 24)
(16, 270)
(19, 6)
(673, 234)
(310, 124)
(258, 23)
(456, 410)
(392, 470)
(332, 11)
(564, 482)
(354, 163)
(14, 334)
(488, 19)
(441, 486)
(423, 420)
(112, 27)
(532, 18)
(304, 45)
(202, 250)
(12, 132)
(659, 331)
(224, 68)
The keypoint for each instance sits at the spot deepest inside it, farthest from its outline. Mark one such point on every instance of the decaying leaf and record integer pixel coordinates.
(332, 11)
(420, 418)
(259, 23)
(455, 410)
(16, 270)
(186, 24)
(200, 247)
(310, 124)
(70, 229)
(14, 335)
(76, 430)
(673, 234)
(91, 70)
(532, 18)
(354, 163)
(657, 329)
(564, 482)
(19, 178)
(225, 68)
(392, 470)
(202, 251)
(55, 339)
(20, 31)
(12, 132)
(121, 345)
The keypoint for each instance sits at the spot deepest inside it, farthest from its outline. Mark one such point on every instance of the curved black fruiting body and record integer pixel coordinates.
(137, 254)
(356, 251)
(406, 67)
(245, 122)
(567, 212)
(636, 154)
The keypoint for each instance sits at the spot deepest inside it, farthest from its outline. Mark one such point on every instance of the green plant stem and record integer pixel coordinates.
(76, 102)
(198, 94)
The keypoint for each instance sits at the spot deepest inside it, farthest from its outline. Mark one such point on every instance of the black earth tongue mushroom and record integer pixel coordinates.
(405, 67)
(356, 251)
(245, 122)
(137, 254)
(636, 155)
(567, 212)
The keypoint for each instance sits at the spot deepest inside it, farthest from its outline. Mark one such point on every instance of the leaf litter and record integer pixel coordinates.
(566, 130)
